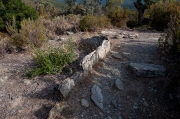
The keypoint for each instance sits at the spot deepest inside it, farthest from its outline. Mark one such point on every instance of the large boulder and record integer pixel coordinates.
(147, 70)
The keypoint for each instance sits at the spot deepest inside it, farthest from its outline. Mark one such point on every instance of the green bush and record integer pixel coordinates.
(160, 14)
(51, 60)
(94, 23)
(17, 9)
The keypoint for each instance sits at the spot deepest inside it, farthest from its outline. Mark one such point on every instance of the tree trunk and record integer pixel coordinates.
(140, 7)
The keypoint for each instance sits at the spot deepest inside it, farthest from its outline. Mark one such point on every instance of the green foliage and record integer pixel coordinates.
(94, 23)
(111, 4)
(51, 60)
(160, 14)
(17, 9)
(118, 16)
(31, 34)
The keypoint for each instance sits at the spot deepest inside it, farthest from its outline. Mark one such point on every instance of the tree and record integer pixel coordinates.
(142, 7)
(111, 4)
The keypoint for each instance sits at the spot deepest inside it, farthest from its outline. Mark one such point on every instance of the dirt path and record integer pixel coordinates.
(140, 99)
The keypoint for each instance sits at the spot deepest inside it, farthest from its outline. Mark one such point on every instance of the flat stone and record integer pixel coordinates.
(147, 70)
(84, 103)
(119, 84)
(97, 96)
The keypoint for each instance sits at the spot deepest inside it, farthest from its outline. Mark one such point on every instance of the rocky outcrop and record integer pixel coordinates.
(147, 70)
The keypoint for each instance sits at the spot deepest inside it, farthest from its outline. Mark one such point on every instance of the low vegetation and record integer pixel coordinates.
(94, 23)
(51, 60)
(160, 14)
(31, 34)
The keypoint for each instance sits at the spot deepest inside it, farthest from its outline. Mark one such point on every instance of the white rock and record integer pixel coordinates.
(66, 87)
(69, 33)
(27, 82)
(3, 78)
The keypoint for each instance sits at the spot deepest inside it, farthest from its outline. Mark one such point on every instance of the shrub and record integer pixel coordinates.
(17, 9)
(31, 34)
(51, 60)
(4, 45)
(118, 16)
(160, 14)
(172, 41)
(94, 23)
(131, 23)
(58, 25)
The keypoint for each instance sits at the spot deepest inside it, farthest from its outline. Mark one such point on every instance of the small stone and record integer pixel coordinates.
(101, 114)
(84, 103)
(108, 111)
(69, 33)
(27, 82)
(170, 96)
(120, 117)
(135, 107)
(128, 97)
(2, 79)
(119, 84)
(84, 113)
(145, 103)
(114, 103)
(109, 117)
